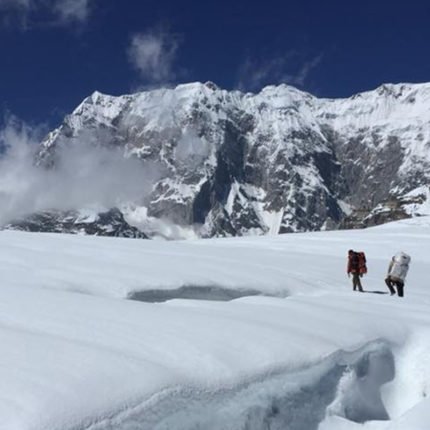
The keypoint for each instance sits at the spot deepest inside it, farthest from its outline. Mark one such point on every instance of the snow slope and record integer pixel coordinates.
(307, 354)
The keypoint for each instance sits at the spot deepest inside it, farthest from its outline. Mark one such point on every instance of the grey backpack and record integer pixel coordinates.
(400, 266)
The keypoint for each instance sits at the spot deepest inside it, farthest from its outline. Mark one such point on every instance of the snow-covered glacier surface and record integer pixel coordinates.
(247, 333)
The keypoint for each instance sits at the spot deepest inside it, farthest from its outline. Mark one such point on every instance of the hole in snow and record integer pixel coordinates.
(193, 292)
(358, 396)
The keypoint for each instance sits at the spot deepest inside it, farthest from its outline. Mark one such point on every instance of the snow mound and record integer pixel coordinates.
(287, 400)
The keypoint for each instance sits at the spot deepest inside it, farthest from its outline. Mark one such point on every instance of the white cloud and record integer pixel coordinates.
(84, 175)
(153, 54)
(63, 11)
(15, 4)
(72, 10)
(289, 69)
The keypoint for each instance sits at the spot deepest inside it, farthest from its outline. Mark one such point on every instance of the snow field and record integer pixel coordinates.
(77, 355)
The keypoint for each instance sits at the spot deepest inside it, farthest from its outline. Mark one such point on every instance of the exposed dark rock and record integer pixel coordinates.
(110, 223)
(392, 209)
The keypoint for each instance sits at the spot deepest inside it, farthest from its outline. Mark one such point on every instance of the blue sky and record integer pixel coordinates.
(56, 52)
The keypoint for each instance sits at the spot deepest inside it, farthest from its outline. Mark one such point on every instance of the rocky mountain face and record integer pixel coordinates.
(415, 203)
(278, 161)
(109, 223)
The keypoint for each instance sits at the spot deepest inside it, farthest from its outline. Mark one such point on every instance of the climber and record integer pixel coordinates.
(397, 271)
(356, 267)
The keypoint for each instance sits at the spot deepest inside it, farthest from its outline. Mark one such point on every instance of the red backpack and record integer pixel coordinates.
(362, 268)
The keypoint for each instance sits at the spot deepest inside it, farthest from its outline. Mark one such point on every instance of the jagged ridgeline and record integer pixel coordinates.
(278, 161)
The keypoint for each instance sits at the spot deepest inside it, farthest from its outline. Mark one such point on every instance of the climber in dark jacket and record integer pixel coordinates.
(354, 268)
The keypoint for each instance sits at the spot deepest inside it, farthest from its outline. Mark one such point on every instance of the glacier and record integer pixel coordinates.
(306, 352)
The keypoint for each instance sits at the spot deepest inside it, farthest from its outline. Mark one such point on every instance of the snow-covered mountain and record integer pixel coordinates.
(281, 160)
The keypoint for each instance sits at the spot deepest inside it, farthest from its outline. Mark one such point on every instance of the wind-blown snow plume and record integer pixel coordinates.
(291, 68)
(84, 175)
(191, 149)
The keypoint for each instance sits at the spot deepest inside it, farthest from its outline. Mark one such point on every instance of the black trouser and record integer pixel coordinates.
(356, 282)
(399, 285)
